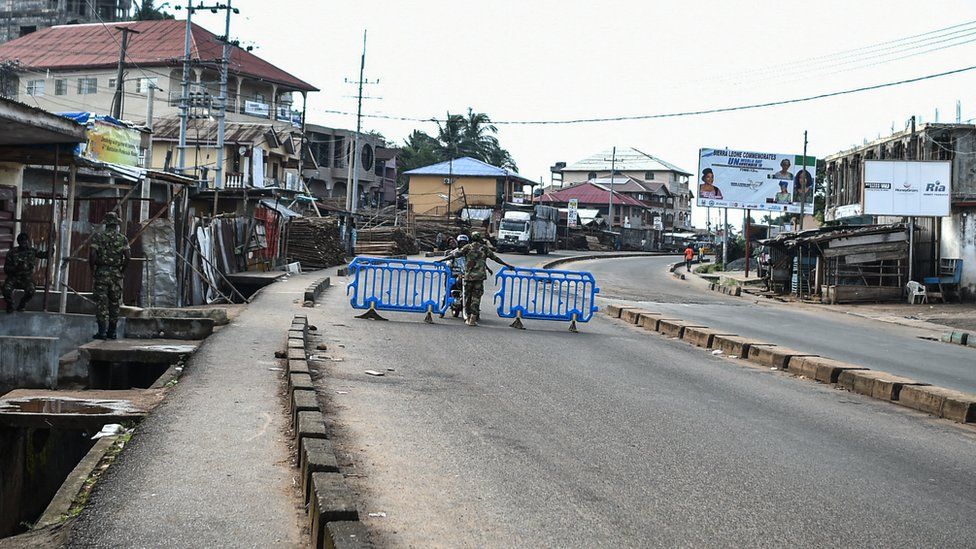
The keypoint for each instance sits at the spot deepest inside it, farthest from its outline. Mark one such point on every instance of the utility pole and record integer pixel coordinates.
(144, 191)
(222, 99)
(222, 106)
(613, 168)
(803, 190)
(185, 88)
(119, 84)
(359, 124)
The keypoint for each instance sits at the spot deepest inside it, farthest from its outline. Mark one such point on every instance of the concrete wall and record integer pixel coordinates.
(959, 241)
(28, 362)
(70, 330)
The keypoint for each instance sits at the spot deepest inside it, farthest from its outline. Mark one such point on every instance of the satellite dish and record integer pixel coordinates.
(242, 150)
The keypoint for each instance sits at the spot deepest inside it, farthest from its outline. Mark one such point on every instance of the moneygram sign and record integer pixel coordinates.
(907, 188)
(756, 181)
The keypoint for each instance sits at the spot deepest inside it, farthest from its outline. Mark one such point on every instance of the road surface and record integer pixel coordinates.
(616, 437)
(880, 346)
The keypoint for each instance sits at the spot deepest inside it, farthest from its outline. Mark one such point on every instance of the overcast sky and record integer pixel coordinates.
(551, 60)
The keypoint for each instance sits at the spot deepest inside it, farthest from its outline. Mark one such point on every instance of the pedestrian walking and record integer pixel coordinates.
(107, 257)
(475, 257)
(19, 268)
(689, 255)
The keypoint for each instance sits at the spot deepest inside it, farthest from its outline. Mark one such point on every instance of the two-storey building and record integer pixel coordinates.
(74, 68)
(630, 162)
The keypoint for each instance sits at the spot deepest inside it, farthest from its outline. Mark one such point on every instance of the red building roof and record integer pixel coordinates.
(590, 194)
(158, 44)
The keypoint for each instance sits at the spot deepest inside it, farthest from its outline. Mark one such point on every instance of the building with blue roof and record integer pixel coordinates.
(450, 186)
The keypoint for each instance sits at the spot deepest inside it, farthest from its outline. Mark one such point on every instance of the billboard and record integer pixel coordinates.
(756, 181)
(912, 188)
(113, 144)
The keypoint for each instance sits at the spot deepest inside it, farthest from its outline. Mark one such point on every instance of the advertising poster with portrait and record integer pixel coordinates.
(756, 181)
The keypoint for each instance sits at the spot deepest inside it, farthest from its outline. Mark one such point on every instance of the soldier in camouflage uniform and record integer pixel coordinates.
(107, 258)
(19, 268)
(475, 256)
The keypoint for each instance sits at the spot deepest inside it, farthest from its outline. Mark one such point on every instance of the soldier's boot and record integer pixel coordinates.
(101, 331)
(111, 332)
(472, 320)
(23, 304)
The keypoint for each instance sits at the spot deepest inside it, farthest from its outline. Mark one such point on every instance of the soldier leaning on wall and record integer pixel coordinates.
(19, 267)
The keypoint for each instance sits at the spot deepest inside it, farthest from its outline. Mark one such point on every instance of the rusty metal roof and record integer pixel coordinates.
(168, 129)
(158, 44)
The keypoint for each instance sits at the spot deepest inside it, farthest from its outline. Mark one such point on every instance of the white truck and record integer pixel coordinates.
(524, 228)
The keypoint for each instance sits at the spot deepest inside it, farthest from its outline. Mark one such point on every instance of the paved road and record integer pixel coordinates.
(615, 437)
(881, 346)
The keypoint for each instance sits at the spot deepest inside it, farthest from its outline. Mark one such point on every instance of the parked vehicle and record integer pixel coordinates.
(524, 228)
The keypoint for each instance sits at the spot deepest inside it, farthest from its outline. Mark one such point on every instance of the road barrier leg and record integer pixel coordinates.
(371, 314)
(572, 325)
(429, 317)
(518, 321)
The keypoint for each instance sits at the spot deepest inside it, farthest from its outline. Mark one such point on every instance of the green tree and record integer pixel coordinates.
(148, 11)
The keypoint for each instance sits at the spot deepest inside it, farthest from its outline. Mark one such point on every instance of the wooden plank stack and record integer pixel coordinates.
(314, 241)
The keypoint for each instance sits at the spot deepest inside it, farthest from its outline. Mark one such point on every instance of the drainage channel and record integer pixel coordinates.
(45, 434)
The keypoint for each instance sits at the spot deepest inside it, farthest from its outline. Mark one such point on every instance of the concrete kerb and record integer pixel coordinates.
(652, 321)
(873, 383)
(938, 401)
(822, 369)
(774, 356)
(675, 328)
(701, 336)
(564, 260)
(735, 345)
(60, 504)
(332, 514)
(332, 501)
(314, 290)
(945, 403)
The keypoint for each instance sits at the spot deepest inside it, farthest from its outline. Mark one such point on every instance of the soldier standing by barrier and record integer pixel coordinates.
(107, 258)
(19, 268)
(475, 256)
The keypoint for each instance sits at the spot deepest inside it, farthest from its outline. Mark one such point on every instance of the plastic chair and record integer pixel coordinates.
(915, 290)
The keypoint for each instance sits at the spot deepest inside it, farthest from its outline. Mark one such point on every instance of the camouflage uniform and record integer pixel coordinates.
(19, 268)
(109, 252)
(475, 256)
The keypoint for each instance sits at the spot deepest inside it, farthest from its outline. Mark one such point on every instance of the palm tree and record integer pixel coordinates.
(148, 11)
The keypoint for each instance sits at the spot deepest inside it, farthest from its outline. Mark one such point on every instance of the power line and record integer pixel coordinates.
(673, 114)
(896, 44)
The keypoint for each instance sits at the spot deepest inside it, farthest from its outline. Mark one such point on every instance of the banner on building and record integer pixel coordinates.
(912, 188)
(113, 144)
(756, 181)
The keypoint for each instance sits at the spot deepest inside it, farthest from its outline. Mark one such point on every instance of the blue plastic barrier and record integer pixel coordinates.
(404, 285)
(543, 294)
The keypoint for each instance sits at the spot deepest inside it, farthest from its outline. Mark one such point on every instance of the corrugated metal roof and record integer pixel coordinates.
(627, 159)
(159, 43)
(589, 193)
(168, 129)
(625, 184)
(466, 167)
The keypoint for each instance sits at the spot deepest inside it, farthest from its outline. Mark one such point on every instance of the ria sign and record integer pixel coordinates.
(907, 188)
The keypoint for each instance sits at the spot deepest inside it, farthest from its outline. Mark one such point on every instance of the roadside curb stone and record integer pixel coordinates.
(874, 383)
(946, 403)
(774, 356)
(332, 501)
